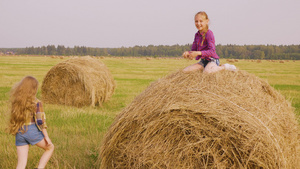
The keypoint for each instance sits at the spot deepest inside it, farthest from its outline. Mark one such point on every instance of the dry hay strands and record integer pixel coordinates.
(78, 82)
(195, 120)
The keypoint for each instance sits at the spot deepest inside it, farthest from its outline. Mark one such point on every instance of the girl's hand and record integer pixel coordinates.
(186, 54)
(48, 142)
(194, 54)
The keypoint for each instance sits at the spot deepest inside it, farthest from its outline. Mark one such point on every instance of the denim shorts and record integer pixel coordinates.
(204, 62)
(32, 136)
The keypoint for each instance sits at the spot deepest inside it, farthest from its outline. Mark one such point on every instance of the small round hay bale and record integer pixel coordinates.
(230, 60)
(78, 82)
(195, 120)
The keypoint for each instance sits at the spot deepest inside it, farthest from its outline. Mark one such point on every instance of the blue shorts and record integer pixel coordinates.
(204, 62)
(32, 136)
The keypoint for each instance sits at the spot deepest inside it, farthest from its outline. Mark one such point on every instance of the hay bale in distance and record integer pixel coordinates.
(195, 120)
(230, 60)
(78, 82)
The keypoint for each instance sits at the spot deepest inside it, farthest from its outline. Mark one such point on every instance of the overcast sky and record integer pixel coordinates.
(117, 23)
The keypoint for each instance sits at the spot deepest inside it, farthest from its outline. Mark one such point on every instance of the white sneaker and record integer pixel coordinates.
(229, 67)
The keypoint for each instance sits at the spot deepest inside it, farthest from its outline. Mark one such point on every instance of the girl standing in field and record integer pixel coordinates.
(204, 48)
(27, 122)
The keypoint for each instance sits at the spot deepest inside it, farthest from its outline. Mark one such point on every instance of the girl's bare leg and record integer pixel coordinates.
(212, 67)
(47, 154)
(22, 152)
(193, 67)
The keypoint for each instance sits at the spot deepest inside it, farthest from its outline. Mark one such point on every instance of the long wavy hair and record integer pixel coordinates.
(23, 103)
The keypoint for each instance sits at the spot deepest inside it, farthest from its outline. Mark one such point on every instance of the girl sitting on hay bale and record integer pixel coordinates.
(204, 48)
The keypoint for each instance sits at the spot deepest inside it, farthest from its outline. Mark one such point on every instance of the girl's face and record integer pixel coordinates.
(201, 22)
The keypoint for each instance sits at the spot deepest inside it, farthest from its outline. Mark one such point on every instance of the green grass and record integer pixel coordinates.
(77, 132)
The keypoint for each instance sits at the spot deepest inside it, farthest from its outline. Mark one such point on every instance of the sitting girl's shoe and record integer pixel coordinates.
(229, 67)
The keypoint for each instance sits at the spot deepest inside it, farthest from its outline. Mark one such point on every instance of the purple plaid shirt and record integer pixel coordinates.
(208, 48)
(38, 117)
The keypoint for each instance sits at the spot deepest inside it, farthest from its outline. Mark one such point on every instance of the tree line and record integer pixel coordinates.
(284, 52)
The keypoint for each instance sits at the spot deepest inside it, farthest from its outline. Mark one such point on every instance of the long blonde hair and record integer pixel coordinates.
(206, 29)
(23, 103)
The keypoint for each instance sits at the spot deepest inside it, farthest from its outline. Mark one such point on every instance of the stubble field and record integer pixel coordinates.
(77, 132)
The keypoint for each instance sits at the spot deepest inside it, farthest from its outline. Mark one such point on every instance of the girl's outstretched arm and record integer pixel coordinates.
(47, 139)
(186, 54)
(194, 54)
(47, 145)
(191, 54)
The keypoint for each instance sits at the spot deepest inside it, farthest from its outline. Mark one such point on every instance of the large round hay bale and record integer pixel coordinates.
(78, 82)
(195, 120)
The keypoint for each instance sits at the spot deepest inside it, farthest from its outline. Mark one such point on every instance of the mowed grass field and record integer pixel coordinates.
(78, 132)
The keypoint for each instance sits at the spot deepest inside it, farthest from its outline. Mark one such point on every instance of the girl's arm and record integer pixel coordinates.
(47, 139)
(191, 54)
(194, 46)
(41, 122)
(194, 54)
(186, 54)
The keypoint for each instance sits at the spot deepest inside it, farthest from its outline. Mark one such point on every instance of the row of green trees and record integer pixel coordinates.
(286, 52)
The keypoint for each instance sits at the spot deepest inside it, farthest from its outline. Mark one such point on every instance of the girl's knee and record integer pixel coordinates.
(212, 69)
(193, 67)
(207, 71)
